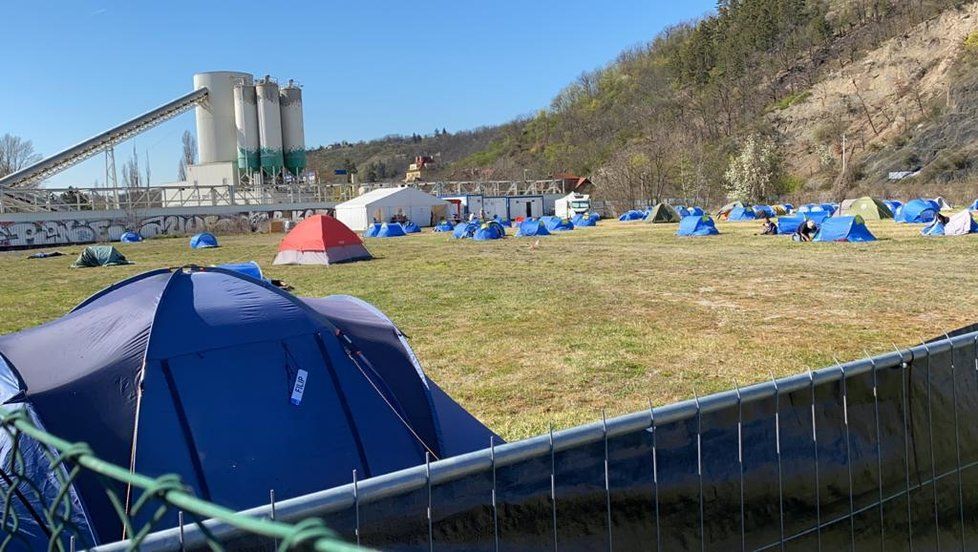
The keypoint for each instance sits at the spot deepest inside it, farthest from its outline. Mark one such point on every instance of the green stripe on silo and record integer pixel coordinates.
(271, 160)
(295, 161)
(248, 160)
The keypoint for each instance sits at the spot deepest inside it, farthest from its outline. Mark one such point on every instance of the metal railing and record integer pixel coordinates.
(875, 453)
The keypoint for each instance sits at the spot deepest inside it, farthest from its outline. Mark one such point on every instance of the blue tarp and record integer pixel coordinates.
(557, 224)
(248, 268)
(203, 240)
(697, 226)
(761, 211)
(465, 230)
(530, 228)
(919, 211)
(790, 224)
(247, 389)
(130, 237)
(632, 215)
(411, 228)
(390, 230)
(741, 214)
(846, 229)
(491, 230)
(444, 226)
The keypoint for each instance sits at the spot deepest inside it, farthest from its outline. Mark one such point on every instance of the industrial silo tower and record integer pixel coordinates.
(246, 124)
(269, 127)
(216, 130)
(293, 133)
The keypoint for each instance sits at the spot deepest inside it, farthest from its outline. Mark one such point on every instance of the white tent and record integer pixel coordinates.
(960, 224)
(386, 204)
(943, 203)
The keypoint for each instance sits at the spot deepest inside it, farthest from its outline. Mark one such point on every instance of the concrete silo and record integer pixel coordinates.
(269, 126)
(216, 132)
(293, 131)
(246, 124)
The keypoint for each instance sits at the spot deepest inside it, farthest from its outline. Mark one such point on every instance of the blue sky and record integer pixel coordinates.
(367, 68)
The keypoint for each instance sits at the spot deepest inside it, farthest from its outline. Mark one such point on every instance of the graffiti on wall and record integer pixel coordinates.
(61, 232)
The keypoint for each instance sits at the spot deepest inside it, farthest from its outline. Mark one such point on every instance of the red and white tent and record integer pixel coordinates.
(321, 239)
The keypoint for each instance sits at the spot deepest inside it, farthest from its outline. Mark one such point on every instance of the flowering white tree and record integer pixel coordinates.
(755, 173)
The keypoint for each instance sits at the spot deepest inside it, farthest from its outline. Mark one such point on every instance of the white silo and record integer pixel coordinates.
(293, 131)
(246, 126)
(216, 133)
(269, 125)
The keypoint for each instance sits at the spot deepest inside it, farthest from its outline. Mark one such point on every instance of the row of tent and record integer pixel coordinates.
(835, 229)
(661, 212)
(202, 240)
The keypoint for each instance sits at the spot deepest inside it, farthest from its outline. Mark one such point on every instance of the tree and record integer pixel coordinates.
(16, 154)
(131, 177)
(189, 155)
(756, 172)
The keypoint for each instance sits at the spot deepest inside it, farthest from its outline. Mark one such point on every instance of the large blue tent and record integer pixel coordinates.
(372, 230)
(585, 219)
(530, 227)
(203, 241)
(919, 211)
(632, 215)
(790, 224)
(411, 228)
(761, 211)
(465, 230)
(444, 226)
(390, 230)
(696, 211)
(844, 229)
(741, 214)
(491, 230)
(557, 224)
(130, 237)
(233, 385)
(697, 226)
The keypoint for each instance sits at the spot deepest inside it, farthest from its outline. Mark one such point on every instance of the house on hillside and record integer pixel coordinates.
(571, 183)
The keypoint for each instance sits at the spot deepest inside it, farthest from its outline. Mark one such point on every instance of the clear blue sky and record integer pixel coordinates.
(367, 68)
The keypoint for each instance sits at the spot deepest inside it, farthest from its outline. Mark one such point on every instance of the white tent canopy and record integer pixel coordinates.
(384, 204)
(959, 224)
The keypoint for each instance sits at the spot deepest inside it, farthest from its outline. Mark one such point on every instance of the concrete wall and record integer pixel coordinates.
(47, 229)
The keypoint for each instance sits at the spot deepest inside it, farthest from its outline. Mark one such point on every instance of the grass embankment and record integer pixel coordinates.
(600, 318)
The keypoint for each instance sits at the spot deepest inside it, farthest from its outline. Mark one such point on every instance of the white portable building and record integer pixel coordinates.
(384, 204)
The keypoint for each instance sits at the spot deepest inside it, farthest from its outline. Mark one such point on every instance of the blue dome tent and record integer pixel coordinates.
(372, 230)
(529, 228)
(696, 211)
(502, 222)
(844, 229)
(697, 226)
(203, 241)
(557, 224)
(130, 237)
(632, 215)
(411, 228)
(585, 219)
(682, 211)
(919, 211)
(739, 214)
(935, 228)
(818, 216)
(761, 211)
(893, 204)
(234, 385)
(464, 230)
(390, 230)
(790, 224)
(444, 226)
(491, 230)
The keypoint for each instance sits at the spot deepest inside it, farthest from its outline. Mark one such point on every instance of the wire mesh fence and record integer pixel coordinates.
(44, 513)
(880, 453)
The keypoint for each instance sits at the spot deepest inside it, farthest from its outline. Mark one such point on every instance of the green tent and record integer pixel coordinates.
(100, 255)
(662, 212)
(867, 207)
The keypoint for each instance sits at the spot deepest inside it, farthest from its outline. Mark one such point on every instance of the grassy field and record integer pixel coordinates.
(600, 318)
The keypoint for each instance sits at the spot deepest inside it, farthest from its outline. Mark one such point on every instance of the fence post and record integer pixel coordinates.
(904, 406)
(699, 466)
(427, 474)
(495, 514)
(879, 450)
(607, 482)
(957, 436)
(818, 484)
(356, 507)
(777, 450)
(655, 478)
(553, 484)
(740, 467)
(845, 421)
(933, 463)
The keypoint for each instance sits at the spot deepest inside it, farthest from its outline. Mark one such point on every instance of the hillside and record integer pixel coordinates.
(781, 79)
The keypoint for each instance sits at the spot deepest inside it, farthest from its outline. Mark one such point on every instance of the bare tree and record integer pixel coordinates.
(189, 155)
(16, 154)
(131, 176)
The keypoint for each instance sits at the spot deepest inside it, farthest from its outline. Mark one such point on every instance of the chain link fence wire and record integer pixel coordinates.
(59, 523)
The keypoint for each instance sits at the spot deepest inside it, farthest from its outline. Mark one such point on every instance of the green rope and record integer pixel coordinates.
(168, 490)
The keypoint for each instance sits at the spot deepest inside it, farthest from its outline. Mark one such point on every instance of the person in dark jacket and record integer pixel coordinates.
(769, 228)
(806, 232)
